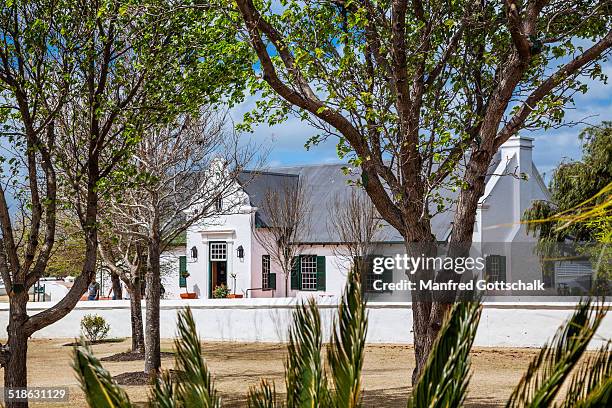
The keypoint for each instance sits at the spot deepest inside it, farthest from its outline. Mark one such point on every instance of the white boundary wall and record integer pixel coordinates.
(503, 324)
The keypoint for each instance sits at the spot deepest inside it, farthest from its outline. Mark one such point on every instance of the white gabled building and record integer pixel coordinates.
(226, 251)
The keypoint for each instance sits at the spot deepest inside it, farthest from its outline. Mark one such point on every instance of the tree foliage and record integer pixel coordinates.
(574, 183)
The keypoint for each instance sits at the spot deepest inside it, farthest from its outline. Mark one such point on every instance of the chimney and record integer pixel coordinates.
(517, 153)
(520, 147)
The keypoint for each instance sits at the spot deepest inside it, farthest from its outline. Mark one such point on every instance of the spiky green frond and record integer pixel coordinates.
(163, 392)
(101, 391)
(591, 384)
(195, 387)
(347, 347)
(304, 375)
(263, 396)
(445, 377)
(548, 370)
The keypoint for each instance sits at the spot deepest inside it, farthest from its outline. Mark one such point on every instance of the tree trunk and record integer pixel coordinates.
(152, 342)
(138, 343)
(15, 371)
(467, 204)
(423, 336)
(425, 329)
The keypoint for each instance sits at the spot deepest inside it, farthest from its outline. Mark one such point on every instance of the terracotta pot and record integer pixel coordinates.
(234, 296)
(189, 295)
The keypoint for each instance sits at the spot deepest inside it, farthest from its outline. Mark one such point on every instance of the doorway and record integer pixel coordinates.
(217, 266)
(218, 274)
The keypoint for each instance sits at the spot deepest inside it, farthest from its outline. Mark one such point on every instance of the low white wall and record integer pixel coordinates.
(503, 324)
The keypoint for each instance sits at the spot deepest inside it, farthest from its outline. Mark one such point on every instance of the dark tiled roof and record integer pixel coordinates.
(325, 183)
(257, 184)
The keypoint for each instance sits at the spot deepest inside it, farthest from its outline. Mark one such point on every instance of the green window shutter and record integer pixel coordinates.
(502, 268)
(320, 273)
(387, 276)
(296, 278)
(182, 271)
(272, 281)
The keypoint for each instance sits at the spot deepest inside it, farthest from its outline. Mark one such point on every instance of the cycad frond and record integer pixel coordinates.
(547, 372)
(97, 384)
(163, 392)
(263, 396)
(445, 377)
(304, 375)
(591, 384)
(195, 387)
(346, 350)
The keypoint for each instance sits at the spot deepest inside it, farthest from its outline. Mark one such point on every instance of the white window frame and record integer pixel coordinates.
(218, 251)
(308, 271)
(265, 271)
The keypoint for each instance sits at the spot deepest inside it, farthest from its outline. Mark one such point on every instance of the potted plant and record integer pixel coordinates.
(187, 295)
(220, 292)
(234, 295)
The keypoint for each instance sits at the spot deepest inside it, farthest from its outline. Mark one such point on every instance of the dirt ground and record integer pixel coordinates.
(237, 366)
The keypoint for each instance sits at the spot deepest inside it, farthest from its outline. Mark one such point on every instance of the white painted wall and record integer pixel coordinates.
(506, 197)
(504, 324)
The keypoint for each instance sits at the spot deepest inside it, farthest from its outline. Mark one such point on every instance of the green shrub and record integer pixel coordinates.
(94, 328)
(576, 291)
(221, 292)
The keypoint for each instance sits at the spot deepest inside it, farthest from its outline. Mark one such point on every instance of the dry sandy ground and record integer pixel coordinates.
(237, 366)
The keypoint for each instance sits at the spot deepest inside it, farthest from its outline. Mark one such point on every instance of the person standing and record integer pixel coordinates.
(93, 290)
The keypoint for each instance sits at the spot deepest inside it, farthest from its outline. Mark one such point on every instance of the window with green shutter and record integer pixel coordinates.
(495, 268)
(182, 271)
(308, 273)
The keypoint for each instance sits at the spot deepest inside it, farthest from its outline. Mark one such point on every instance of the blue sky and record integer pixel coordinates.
(286, 140)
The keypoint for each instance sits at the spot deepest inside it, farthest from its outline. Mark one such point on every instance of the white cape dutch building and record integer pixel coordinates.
(227, 252)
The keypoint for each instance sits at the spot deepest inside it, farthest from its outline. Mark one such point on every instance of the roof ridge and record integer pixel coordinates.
(270, 173)
(297, 166)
